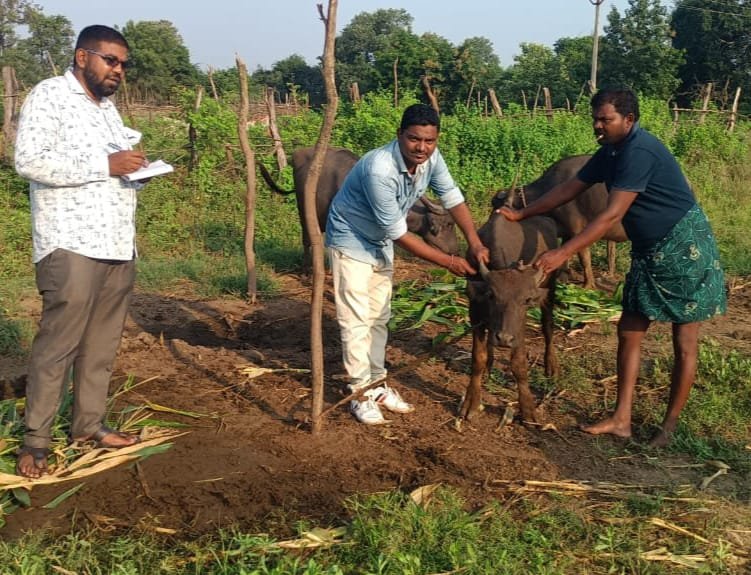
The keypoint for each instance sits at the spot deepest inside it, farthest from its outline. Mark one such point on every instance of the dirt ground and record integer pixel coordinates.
(255, 461)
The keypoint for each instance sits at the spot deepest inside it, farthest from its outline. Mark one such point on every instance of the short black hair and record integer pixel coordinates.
(420, 115)
(91, 36)
(623, 100)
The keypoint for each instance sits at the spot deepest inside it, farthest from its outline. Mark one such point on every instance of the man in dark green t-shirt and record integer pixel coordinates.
(675, 271)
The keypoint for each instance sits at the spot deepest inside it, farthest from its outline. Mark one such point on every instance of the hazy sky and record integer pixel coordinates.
(263, 32)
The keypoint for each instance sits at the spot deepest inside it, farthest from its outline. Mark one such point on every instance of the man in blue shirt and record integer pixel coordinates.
(675, 270)
(366, 218)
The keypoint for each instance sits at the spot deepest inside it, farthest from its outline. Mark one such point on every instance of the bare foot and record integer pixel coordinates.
(32, 462)
(661, 439)
(610, 426)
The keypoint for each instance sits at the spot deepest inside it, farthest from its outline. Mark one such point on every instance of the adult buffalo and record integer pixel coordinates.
(425, 218)
(572, 217)
(498, 303)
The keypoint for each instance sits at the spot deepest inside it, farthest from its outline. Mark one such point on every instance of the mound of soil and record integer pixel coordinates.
(250, 459)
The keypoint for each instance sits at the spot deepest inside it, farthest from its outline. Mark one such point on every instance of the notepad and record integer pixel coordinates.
(155, 168)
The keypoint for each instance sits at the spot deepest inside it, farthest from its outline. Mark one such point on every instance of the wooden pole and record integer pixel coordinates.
(705, 102)
(548, 104)
(595, 43)
(495, 103)
(250, 182)
(354, 93)
(734, 110)
(430, 94)
(281, 155)
(396, 82)
(10, 93)
(311, 217)
(210, 74)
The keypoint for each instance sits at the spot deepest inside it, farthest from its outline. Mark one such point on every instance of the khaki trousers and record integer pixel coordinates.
(363, 307)
(84, 304)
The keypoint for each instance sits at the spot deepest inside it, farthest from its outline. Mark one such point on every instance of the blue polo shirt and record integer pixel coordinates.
(370, 210)
(642, 164)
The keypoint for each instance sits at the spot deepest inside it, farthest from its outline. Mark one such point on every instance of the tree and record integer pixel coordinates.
(715, 36)
(13, 13)
(537, 66)
(476, 68)
(637, 51)
(436, 64)
(575, 57)
(47, 51)
(160, 59)
(291, 77)
(360, 42)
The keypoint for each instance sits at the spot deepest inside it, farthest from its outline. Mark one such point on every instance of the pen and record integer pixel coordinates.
(115, 147)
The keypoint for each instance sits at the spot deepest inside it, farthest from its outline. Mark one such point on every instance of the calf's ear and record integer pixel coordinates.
(477, 289)
(537, 296)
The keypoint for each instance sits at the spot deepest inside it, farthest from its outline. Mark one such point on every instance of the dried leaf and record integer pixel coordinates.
(422, 495)
(662, 554)
(707, 480)
(317, 537)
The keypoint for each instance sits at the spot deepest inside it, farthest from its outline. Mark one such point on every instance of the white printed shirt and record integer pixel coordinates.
(63, 143)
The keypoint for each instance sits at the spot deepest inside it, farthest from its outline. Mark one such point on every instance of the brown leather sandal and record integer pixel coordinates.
(101, 435)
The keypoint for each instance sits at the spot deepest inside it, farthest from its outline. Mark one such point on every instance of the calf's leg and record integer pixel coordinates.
(473, 396)
(551, 360)
(585, 259)
(519, 370)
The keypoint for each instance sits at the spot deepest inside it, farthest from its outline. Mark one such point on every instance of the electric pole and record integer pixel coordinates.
(595, 39)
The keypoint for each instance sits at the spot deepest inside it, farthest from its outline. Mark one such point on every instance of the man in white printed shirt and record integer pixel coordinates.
(73, 147)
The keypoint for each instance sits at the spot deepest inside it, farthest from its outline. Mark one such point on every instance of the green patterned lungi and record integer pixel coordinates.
(680, 279)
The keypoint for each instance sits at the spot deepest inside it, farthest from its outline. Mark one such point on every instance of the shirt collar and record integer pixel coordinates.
(76, 87)
(616, 148)
(399, 159)
(396, 152)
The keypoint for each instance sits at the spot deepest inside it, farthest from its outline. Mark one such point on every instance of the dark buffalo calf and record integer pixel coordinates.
(498, 303)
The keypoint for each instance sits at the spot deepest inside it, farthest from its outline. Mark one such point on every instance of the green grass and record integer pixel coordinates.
(206, 275)
(389, 534)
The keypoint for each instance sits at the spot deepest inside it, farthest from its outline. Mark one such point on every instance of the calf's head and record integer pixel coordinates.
(500, 300)
(434, 224)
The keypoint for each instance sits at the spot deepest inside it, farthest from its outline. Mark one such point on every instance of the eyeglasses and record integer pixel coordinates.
(110, 60)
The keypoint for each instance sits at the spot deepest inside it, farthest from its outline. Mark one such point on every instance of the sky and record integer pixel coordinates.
(263, 32)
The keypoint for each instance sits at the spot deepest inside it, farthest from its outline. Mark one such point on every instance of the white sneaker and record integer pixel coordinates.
(390, 399)
(367, 412)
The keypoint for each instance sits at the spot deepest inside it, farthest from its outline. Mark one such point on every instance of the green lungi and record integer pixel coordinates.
(680, 279)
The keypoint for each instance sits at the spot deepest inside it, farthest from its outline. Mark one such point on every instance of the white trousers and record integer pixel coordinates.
(363, 307)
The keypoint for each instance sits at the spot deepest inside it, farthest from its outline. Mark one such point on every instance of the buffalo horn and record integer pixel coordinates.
(539, 276)
(484, 271)
(433, 207)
